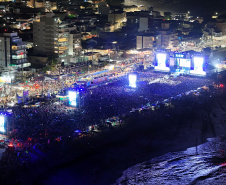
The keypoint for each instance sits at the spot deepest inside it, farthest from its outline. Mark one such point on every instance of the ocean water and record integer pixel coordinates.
(201, 165)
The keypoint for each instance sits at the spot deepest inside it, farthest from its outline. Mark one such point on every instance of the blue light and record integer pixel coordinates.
(132, 80)
(2, 124)
(72, 98)
(179, 56)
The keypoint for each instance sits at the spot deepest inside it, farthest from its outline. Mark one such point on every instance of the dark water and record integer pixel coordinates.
(205, 164)
(196, 7)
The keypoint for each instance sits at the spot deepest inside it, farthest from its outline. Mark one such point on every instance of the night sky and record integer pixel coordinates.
(196, 7)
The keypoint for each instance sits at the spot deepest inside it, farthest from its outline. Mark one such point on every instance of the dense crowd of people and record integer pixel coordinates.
(55, 81)
(117, 98)
(55, 122)
(98, 104)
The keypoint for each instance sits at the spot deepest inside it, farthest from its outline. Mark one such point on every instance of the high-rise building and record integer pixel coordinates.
(143, 24)
(74, 43)
(167, 40)
(51, 34)
(145, 41)
(12, 52)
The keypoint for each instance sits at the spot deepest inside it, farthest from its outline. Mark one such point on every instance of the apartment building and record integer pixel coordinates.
(145, 41)
(143, 24)
(74, 43)
(167, 40)
(51, 34)
(13, 52)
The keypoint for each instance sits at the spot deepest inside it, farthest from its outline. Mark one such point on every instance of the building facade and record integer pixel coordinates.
(167, 40)
(143, 24)
(145, 42)
(51, 35)
(74, 43)
(13, 52)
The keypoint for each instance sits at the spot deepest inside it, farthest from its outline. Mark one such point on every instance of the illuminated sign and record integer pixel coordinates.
(133, 80)
(179, 56)
(2, 124)
(19, 65)
(72, 95)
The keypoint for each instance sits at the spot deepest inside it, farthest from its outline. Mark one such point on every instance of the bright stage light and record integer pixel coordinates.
(72, 98)
(185, 62)
(198, 66)
(2, 124)
(198, 63)
(133, 80)
(161, 62)
(161, 57)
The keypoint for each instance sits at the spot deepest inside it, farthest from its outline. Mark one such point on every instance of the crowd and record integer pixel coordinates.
(53, 122)
(117, 98)
(96, 105)
(58, 79)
